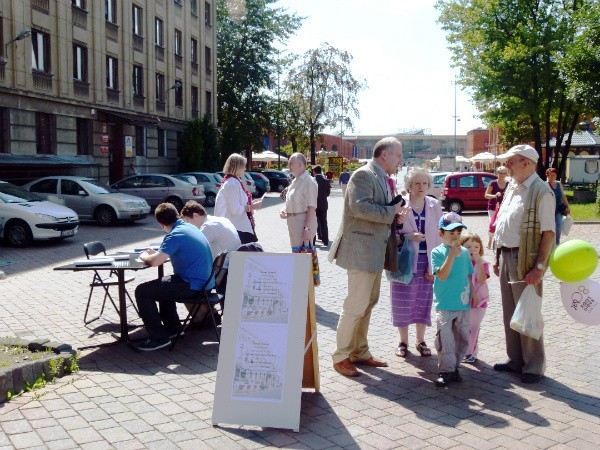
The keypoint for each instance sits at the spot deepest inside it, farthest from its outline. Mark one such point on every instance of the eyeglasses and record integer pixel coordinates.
(513, 162)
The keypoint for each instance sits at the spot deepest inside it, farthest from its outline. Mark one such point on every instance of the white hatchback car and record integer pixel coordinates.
(24, 216)
(439, 179)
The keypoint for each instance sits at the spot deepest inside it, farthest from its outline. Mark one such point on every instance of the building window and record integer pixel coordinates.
(110, 10)
(194, 101)
(84, 136)
(40, 51)
(138, 81)
(162, 143)
(208, 59)
(78, 3)
(208, 100)
(45, 133)
(137, 21)
(179, 94)
(79, 63)
(207, 20)
(178, 43)
(194, 50)
(112, 73)
(140, 141)
(4, 130)
(159, 38)
(194, 7)
(160, 87)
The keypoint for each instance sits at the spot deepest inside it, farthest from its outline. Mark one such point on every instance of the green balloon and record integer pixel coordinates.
(573, 260)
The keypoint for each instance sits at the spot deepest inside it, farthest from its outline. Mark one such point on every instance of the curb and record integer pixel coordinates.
(14, 378)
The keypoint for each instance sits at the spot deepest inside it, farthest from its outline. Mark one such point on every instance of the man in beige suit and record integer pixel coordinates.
(360, 249)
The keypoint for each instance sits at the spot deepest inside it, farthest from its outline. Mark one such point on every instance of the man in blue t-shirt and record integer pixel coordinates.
(451, 267)
(190, 256)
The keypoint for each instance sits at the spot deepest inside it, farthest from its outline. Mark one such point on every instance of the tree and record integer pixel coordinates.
(199, 147)
(247, 32)
(324, 91)
(508, 52)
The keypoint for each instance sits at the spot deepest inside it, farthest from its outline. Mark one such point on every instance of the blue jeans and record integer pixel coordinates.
(166, 291)
(558, 218)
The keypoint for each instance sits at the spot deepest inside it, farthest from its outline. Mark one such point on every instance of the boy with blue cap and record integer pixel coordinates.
(451, 267)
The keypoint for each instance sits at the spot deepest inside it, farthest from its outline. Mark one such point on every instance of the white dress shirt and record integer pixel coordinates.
(231, 203)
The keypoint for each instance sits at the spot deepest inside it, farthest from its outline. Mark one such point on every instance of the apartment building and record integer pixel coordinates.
(88, 87)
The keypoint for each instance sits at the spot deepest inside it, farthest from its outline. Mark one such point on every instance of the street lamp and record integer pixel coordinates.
(22, 35)
(456, 119)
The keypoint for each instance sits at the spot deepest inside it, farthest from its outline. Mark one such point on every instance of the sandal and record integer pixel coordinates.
(423, 349)
(402, 350)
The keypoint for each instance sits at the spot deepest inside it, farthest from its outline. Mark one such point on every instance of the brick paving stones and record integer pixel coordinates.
(122, 399)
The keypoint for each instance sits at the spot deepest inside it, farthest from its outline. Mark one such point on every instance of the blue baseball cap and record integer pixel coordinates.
(451, 221)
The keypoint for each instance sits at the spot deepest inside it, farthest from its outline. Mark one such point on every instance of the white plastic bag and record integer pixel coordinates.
(567, 222)
(527, 318)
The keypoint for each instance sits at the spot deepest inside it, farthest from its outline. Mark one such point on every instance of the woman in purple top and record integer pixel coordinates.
(494, 193)
(411, 303)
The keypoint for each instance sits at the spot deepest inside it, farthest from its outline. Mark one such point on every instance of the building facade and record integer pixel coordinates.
(92, 87)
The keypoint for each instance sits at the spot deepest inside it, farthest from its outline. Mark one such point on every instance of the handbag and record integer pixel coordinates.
(405, 258)
(391, 248)
(307, 248)
(562, 208)
(492, 227)
(527, 318)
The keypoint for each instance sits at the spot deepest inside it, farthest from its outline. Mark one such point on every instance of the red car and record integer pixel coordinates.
(466, 190)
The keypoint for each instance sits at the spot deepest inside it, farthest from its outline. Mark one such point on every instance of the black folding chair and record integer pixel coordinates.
(93, 249)
(208, 297)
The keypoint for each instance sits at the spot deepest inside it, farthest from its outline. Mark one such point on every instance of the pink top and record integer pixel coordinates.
(480, 286)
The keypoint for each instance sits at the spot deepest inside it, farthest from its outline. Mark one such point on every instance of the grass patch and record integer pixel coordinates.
(11, 355)
(584, 212)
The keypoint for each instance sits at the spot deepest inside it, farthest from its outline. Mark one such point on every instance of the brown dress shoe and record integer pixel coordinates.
(371, 362)
(346, 368)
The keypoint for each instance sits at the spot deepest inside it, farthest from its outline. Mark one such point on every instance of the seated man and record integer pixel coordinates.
(219, 231)
(190, 256)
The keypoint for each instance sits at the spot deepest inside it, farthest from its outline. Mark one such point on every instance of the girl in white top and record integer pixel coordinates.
(235, 202)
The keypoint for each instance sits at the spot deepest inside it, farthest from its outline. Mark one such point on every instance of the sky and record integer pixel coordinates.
(400, 51)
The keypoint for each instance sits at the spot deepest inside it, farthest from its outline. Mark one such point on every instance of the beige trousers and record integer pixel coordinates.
(524, 353)
(353, 325)
(344, 187)
(296, 224)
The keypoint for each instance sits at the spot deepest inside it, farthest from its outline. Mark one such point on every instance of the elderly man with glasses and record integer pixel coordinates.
(523, 240)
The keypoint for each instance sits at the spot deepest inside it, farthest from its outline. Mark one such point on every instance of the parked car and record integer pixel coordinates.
(439, 178)
(247, 179)
(157, 188)
(466, 190)
(278, 180)
(211, 183)
(24, 217)
(90, 199)
(263, 185)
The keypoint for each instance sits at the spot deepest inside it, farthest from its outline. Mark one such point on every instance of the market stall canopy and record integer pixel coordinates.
(268, 156)
(462, 159)
(483, 157)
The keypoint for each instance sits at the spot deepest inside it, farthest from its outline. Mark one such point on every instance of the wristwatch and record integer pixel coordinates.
(540, 266)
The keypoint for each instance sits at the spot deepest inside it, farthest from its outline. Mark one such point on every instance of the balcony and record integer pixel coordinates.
(81, 88)
(160, 106)
(79, 17)
(159, 52)
(138, 43)
(139, 101)
(178, 61)
(112, 95)
(42, 6)
(112, 31)
(42, 80)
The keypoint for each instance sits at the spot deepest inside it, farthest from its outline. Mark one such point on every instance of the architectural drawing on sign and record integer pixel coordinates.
(267, 290)
(259, 363)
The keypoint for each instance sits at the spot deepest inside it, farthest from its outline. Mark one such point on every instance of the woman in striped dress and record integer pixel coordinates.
(411, 303)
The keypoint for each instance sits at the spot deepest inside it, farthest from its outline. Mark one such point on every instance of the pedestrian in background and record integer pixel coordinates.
(562, 204)
(343, 181)
(234, 202)
(494, 193)
(322, 204)
(411, 303)
(523, 240)
(360, 248)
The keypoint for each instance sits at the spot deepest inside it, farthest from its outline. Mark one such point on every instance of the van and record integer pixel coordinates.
(466, 190)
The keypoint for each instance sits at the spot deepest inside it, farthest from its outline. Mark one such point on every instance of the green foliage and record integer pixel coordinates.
(323, 91)
(199, 147)
(247, 35)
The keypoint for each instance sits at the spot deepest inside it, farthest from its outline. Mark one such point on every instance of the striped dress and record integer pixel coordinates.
(411, 303)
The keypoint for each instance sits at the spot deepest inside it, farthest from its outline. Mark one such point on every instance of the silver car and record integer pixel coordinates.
(157, 188)
(211, 183)
(90, 199)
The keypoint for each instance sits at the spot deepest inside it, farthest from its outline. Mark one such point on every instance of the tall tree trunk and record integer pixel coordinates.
(567, 148)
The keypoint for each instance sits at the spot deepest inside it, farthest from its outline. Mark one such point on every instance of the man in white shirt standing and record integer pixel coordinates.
(524, 239)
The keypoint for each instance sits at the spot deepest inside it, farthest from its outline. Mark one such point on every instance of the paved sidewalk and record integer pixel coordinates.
(123, 399)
